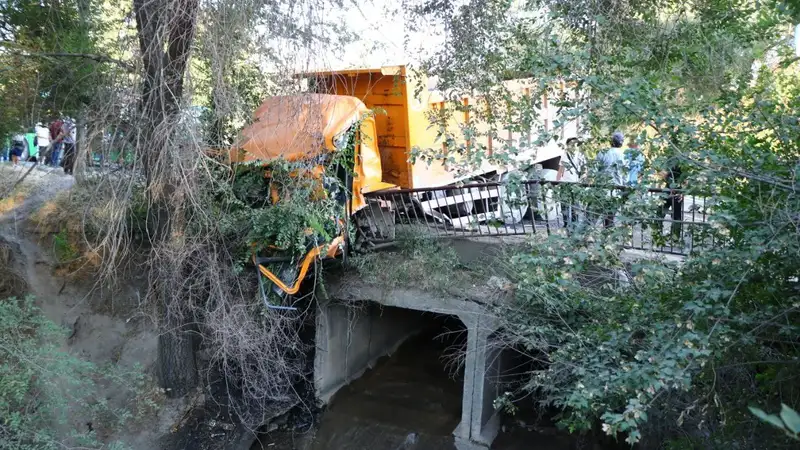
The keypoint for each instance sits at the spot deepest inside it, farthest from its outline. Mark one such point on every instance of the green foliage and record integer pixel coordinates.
(245, 89)
(622, 346)
(47, 395)
(668, 353)
(788, 421)
(64, 250)
(36, 83)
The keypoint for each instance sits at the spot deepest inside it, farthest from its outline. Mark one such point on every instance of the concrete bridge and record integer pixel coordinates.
(358, 322)
(361, 322)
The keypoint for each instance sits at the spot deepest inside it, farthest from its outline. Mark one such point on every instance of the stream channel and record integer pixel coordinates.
(410, 400)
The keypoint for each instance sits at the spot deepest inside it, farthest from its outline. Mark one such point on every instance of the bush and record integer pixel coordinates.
(687, 346)
(48, 396)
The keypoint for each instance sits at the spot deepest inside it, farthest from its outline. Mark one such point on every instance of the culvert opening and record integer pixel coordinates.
(412, 396)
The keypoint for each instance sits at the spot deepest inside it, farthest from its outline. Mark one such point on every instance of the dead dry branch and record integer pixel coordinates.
(149, 196)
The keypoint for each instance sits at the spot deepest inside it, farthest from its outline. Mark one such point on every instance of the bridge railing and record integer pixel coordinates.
(652, 219)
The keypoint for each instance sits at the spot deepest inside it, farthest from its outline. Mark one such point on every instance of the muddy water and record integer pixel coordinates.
(411, 400)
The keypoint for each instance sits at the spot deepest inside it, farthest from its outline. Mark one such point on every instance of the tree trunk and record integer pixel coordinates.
(82, 148)
(176, 362)
(165, 32)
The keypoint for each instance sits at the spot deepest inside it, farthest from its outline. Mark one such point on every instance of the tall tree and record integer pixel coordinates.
(166, 29)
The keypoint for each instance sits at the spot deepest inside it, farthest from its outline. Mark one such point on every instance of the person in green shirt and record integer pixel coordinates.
(33, 149)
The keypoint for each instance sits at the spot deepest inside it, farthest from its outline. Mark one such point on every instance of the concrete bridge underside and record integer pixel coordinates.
(351, 336)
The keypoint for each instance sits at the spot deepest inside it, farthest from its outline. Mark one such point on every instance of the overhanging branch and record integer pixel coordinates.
(94, 57)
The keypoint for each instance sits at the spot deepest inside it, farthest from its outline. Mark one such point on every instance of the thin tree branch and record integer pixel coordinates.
(94, 57)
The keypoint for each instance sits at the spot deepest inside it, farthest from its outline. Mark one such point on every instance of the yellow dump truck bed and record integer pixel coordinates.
(402, 121)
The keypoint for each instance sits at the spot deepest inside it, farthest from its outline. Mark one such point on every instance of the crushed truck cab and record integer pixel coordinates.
(304, 128)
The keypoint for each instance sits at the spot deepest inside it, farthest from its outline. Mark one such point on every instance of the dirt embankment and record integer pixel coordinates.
(43, 253)
(104, 326)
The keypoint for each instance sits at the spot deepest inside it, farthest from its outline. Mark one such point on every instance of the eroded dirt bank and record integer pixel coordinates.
(102, 326)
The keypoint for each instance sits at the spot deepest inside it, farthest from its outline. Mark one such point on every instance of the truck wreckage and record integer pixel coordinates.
(371, 113)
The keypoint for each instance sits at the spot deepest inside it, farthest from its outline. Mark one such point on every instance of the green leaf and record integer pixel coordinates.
(769, 418)
(790, 418)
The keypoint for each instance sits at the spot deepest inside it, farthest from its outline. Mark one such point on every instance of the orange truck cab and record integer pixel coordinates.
(300, 128)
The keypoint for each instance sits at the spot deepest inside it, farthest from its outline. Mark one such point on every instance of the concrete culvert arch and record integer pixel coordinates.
(387, 318)
(391, 377)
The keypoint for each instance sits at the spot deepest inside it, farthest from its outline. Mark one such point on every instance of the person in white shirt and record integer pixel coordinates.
(611, 162)
(43, 141)
(611, 167)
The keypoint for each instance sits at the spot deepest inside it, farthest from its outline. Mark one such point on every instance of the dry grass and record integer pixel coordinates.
(14, 198)
(62, 212)
(60, 223)
(11, 202)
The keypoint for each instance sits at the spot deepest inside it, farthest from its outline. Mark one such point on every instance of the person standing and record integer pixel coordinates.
(634, 161)
(43, 141)
(68, 139)
(17, 148)
(611, 162)
(674, 200)
(56, 139)
(611, 168)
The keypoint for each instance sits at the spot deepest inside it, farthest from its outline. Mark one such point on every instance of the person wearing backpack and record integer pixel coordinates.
(17, 148)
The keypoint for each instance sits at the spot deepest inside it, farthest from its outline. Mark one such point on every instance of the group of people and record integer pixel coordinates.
(52, 145)
(623, 167)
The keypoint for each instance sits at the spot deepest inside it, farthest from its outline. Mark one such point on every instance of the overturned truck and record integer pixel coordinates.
(372, 115)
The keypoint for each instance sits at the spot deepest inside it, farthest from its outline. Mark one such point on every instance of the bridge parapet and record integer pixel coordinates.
(650, 219)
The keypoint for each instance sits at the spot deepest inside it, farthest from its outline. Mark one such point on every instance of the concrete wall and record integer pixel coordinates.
(349, 340)
(493, 369)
